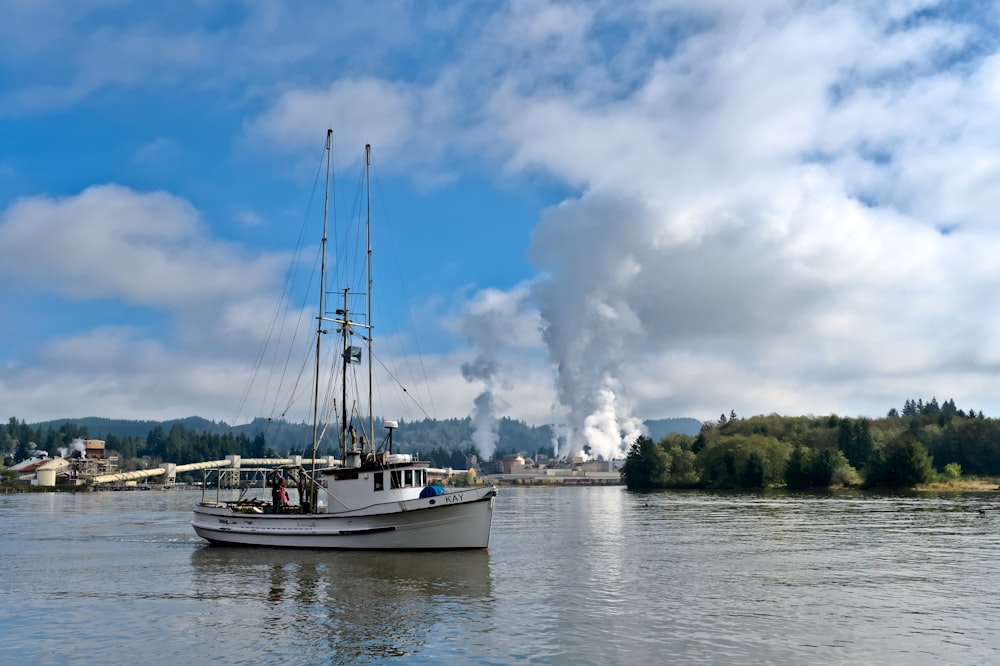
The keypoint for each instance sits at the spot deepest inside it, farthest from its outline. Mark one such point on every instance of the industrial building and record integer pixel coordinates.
(85, 459)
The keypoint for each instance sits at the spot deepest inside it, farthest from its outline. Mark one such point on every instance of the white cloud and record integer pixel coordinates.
(359, 111)
(111, 242)
(249, 218)
(158, 152)
(760, 196)
(709, 233)
(760, 190)
(202, 308)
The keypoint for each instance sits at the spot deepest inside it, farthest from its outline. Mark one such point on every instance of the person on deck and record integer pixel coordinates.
(279, 496)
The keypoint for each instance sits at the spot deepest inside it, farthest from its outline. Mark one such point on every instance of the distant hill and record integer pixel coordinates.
(416, 436)
(662, 427)
(98, 426)
(281, 435)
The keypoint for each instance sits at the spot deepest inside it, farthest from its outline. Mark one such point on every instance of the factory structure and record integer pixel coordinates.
(75, 466)
(542, 470)
(88, 464)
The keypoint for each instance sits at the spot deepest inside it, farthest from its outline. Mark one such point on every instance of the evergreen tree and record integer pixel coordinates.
(948, 409)
(156, 443)
(903, 463)
(861, 443)
(822, 465)
(845, 438)
(752, 473)
(646, 466)
(795, 472)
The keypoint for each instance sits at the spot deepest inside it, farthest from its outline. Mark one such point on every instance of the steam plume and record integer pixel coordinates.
(591, 264)
(491, 322)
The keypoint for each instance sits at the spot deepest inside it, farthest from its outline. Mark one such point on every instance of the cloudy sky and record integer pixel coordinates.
(598, 212)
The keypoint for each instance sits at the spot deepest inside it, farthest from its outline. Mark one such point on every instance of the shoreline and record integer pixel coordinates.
(961, 485)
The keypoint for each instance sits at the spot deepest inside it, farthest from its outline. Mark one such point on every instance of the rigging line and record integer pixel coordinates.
(329, 396)
(258, 362)
(327, 420)
(333, 194)
(401, 387)
(355, 399)
(291, 348)
(346, 252)
(406, 302)
(286, 291)
(293, 395)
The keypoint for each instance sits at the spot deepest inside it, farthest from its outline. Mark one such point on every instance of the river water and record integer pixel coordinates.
(572, 576)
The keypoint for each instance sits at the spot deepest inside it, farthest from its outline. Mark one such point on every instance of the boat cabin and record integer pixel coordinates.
(394, 474)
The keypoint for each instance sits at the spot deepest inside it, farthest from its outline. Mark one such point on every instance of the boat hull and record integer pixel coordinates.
(453, 521)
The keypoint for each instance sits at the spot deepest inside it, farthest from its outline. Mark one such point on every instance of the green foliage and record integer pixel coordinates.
(733, 452)
(845, 477)
(462, 480)
(903, 463)
(797, 469)
(647, 466)
(683, 472)
(741, 461)
(454, 458)
(676, 441)
(855, 441)
(972, 443)
(951, 472)
(820, 468)
(196, 439)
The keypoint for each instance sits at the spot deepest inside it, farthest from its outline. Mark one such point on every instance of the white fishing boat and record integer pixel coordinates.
(374, 498)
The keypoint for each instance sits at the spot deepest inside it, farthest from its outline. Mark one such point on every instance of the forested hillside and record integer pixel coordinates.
(445, 443)
(923, 442)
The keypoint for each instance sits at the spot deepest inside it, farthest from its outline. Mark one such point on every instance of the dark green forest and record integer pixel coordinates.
(924, 442)
(445, 443)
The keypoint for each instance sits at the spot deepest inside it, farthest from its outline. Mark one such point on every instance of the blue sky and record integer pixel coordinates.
(601, 212)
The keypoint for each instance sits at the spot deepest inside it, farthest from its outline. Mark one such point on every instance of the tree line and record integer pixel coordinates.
(444, 443)
(924, 441)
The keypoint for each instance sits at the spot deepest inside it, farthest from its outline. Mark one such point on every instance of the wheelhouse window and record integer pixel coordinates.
(408, 477)
(379, 481)
(397, 479)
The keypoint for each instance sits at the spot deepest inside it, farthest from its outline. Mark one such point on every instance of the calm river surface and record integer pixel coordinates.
(572, 576)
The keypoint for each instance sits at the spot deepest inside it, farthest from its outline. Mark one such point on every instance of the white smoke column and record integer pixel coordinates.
(609, 429)
(80, 446)
(589, 254)
(484, 420)
(560, 435)
(492, 321)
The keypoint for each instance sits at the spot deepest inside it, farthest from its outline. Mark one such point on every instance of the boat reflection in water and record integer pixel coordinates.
(353, 606)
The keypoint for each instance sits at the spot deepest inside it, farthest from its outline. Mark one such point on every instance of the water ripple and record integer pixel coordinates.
(573, 576)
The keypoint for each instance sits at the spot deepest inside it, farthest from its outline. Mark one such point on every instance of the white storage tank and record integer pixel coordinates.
(46, 478)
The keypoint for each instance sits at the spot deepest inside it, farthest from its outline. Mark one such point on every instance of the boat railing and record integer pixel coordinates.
(248, 480)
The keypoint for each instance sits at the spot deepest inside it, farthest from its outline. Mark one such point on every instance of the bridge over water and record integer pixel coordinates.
(232, 466)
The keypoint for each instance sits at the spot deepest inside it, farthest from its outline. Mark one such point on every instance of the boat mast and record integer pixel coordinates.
(351, 457)
(345, 360)
(368, 225)
(322, 314)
